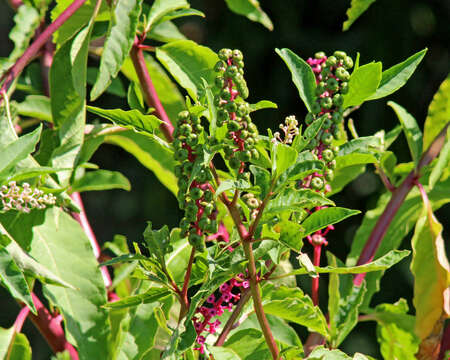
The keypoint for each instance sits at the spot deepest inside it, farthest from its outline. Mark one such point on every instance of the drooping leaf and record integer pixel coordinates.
(188, 63)
(363, 83)
(181, 13)
(35, 106)
(411, 130)
(18, 150)
(293, 305)
(250, 9)
(58, 242)
(324, 217)
(165, 32)
(232, 184)
(117, 44)
(438, 113)
(151, 153)
(362, 145)
(357, 7)
(131, 119)
(302, 76)
(431, 271)
(401, 224)
(115, 88)
(101, 180)
(150, 296)
(263, 104)
(395, 77)
(160, 8)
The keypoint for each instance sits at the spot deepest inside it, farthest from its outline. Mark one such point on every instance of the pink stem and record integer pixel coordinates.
(50, 327)
(20, 319)
(15, 4)
(84, 222)
(40, 41)
(315, 281)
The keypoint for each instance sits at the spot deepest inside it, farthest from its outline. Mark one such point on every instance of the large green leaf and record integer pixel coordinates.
(247, 344)
(167, 91)
(132, 119)
(363, 83)
(431, 271)
(324, 217)
(411, 130)
(395, 331)
(357, 7)
(395, 77)
(188, 63)
(68, 90)
(438, 113)
(14, 152)
(252, 10)
(166, 31)
(401, 224)
(58, 242)
(35, 106)
(160, 8)
(293, 305)
(222, 353)
(101, 180)
(20, 348)
(302, 76)
(118, 43)
(283, 157)
(151, 152)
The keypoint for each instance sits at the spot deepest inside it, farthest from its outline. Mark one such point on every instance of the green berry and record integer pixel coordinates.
(327, 123)
(344, 87)
(231, 107)
(309, 118)
(220, 66)
(196, 193)
(187, 167)
(332, 164)
(178, 170)
(255, 154)
(231, 71)
(234, 163)
(208, 209)
(185, 129)
(332, 84)
(245, 155)
(336, 117)
(348, 62)
(340, 55)
(225, 54)
(335, 150)
(327, 138)
(225, 94)
(219, 82)
(242, 110)
(212, 227)
(315, 108)
(328, 155)
(338, 100)
(233, 125)
(329, 175)
(331, 61)
(317, 183)
(183, 115)
(192, 140)
(319, 55)
(237, 55)
(342, 74)
(181, 154)
(326, 102)
(204, 223)
(208, 195)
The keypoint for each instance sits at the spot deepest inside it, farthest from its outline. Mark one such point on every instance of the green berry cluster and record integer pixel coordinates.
(195, 193)
(332, 78)
(234, 112)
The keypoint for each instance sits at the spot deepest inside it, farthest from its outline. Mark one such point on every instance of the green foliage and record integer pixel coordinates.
(250, 9)
(363, 84)
(101, 180)
(324, 217)
(354, 12)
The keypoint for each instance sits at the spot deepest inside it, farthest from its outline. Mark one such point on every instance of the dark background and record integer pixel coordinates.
(389, 31)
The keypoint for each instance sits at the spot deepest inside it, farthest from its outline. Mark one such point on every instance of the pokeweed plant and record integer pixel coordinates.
(255, 205)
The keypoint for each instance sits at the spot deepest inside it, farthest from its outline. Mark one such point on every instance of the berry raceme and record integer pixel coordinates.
(195, 195)
(24, 198)
(233, 111)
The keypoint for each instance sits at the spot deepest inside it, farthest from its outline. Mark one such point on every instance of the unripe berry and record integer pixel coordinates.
(252, 128)
(240, 65)
(222, 114)
(245, 155)
(177, 170)
(237, 55)
(219, 82)
(255, 154)
(181, 154)
(208, 195)
(332, 164)
(231, 107)
(220, 66)
(228, 150)
(231, 71)
(212, 227)
(196, 193)
(208, 209)
(336, 117)
(344, 87)
(244, 176)
(243, 89)
(321, 87)
(319, 55)
(327, 123)
(187, 167)
(340, 55)
(195, 239)
(342, 74)
(242, 110)
(224, 54)
(338, 100)
(326, 102)
(192, 140)
(183, 115)
(309, 118)
(317, 183)
(331, 61)
(348, 62)
(185, 129)
(328, 155)
(204, 223)
(225, 94)
(332, 84)
(329, 175)
(233, 125)
(234, 163)
(335, 150)
(327, 138)
(315, 108)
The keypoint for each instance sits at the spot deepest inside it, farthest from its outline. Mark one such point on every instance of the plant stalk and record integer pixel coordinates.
(315, 280)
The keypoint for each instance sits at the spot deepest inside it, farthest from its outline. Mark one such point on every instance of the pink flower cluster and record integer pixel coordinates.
(216, 306)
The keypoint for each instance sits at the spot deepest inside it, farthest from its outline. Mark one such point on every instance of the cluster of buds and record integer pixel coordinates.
(215, 306)
(234, 112)
(195, 194)
(290, 130)
(24, 198)
(332, 82)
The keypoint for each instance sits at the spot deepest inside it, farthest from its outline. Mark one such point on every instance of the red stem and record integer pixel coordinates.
(394, 204)
(40, 41)
(148, 89)
(20, 319)
(50, 327)
(15, 4)
(315, 280)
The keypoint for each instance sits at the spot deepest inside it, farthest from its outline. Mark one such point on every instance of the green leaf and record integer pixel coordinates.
(283, 157)
(158, 241)
(160, 8)
(291, 199)
(401, 225)
(188, 63)
(431, 271)
(324, 217)
(311, 131)
(232, 184)
(101, 180)
(166, 31)
(36, 106)
(151, 153)
(167, 91)
(118, 43)
(442, 164)
(411, 130)
(438, 113)
(68, 101)
(250, 9)
(320, 353)
(395, 77)
(14, 280)
(222, 353)
(362, 145)
(291, 235)
(357, 7)
(176, 14)
(115, 88)
(293, 305)
(263, 104)
(58, 242)
(28, 173)
(131, 119)
(18, 150)
(248, 344)
(395, 331)
(20, 348)
(298, 172)
(135, 98)
(363, 84)
(150, 296)
(345, 174)
(26, 22)
(302, 76)
(262, 179)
